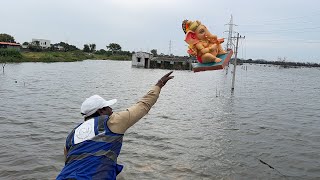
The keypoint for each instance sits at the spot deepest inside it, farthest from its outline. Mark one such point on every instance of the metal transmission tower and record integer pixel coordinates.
(230, 44)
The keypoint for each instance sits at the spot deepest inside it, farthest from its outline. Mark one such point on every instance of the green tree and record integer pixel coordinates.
(52, 47)
(114, 47)
(86, 48)
(154, 52)
(67, 47)
(7, 38)
(35, 46)
(101, 51)
(9, 55)
(92, 47)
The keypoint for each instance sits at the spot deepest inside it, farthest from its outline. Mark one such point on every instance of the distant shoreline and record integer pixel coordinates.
(73, 56)
(70, 56)
(284, 64)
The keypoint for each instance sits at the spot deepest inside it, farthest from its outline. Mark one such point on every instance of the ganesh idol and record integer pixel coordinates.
(202, 44)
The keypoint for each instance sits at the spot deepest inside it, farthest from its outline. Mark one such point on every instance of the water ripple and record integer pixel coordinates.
(196, 130)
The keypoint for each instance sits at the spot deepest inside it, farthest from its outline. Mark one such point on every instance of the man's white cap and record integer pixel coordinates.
(93, 103)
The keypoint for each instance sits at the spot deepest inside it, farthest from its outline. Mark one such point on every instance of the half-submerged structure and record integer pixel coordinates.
(148, 61)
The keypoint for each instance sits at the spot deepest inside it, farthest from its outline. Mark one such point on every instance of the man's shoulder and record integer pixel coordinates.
(116, 116)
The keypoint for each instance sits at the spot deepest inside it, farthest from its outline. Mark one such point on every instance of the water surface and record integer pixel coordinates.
(196, 130)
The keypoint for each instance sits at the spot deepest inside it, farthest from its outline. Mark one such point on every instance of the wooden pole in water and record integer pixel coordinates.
(3, 65)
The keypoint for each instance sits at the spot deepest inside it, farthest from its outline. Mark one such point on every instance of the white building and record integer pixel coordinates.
(141, 59)
(43, 43)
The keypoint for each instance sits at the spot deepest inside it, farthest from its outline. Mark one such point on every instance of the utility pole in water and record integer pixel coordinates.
(235, 61)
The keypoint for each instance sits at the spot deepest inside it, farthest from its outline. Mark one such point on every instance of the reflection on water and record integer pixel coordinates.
(196, 130)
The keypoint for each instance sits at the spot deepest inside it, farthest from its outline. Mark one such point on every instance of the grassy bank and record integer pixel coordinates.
(112, 57)
(54, 56)
(14, 56)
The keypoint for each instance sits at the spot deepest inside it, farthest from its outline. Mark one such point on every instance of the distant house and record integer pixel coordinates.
(141, 59)
(43, 43)
(8, 45)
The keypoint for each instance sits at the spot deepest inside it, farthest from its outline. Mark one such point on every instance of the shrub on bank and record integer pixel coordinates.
(10, 55)
(69, 56)
(120, 57)
(7, 55)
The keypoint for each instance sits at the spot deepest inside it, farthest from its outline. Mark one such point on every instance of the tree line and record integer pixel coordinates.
(280, 62)
(112, 48)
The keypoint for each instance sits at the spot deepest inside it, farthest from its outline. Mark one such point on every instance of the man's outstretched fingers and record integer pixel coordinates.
(168, 74)
(164, 79)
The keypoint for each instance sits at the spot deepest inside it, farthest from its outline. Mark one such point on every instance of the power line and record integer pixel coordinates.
(279, 23)
(288, 18)
(302, 30)
(284, 40)
(295, 29)
(277, 42)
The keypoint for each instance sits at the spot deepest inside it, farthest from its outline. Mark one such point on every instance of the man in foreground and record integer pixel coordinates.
(92, 147)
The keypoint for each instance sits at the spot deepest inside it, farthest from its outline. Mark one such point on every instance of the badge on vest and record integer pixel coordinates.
(84, 132)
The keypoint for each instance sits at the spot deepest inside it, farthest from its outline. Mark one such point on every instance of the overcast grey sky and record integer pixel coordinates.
(273, 28)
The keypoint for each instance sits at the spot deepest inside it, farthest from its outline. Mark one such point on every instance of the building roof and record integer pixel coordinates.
(34, 39)
(10, 44)
(142, 52)
(172, 59)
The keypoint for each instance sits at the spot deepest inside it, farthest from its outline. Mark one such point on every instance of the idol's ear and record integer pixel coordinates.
(191, 38)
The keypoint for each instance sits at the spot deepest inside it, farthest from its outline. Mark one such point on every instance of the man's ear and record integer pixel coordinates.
(100, 111)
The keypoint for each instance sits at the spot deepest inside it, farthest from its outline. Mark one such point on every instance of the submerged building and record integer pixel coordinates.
(141, 59)
(147, 60)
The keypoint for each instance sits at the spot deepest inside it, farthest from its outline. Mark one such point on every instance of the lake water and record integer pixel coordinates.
(196, 130)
